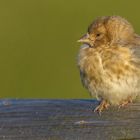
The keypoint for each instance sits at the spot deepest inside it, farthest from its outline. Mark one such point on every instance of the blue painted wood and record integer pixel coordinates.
(66, 120)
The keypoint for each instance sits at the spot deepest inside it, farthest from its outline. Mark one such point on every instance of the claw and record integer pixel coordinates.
(103, 105)
(98, 110)
(125, 102)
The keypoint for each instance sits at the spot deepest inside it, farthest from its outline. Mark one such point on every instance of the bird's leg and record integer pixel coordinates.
(125, 102)
(103, 105)
(106, 105)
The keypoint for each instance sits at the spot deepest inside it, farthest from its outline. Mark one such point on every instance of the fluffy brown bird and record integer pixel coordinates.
(109, 62)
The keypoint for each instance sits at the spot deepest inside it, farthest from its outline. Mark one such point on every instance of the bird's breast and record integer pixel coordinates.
(107, 71)
(91, 68)
(103, 62)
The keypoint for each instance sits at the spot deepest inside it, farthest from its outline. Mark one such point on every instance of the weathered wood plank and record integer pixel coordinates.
(66, 120)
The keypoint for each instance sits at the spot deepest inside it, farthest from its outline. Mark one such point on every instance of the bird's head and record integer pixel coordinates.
(108, 30)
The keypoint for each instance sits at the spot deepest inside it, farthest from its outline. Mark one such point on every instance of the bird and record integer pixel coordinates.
(109, 62)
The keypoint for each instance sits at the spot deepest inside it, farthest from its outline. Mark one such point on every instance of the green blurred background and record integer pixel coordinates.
(38, 45)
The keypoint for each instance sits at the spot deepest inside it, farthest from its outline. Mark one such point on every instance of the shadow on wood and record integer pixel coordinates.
(66, 120)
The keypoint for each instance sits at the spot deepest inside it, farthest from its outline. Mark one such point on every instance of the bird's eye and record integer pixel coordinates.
(98, 35)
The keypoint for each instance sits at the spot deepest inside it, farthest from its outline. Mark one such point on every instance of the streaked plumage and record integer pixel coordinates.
(109, 61)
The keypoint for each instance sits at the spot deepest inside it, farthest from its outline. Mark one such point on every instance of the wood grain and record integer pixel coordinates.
(66, 120)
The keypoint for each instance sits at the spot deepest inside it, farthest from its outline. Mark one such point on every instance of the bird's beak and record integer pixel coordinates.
(84, 38)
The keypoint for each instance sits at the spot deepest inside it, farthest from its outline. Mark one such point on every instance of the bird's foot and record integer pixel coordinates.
(125, 102)
(103, 105)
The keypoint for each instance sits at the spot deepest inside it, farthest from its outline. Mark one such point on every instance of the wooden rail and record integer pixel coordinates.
(66, 120)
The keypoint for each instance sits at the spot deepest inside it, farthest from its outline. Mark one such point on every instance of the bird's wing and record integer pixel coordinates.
(134, 46)
(136, 56)
(136, 51)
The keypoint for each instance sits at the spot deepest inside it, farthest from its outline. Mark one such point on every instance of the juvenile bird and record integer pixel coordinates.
(109, 62)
